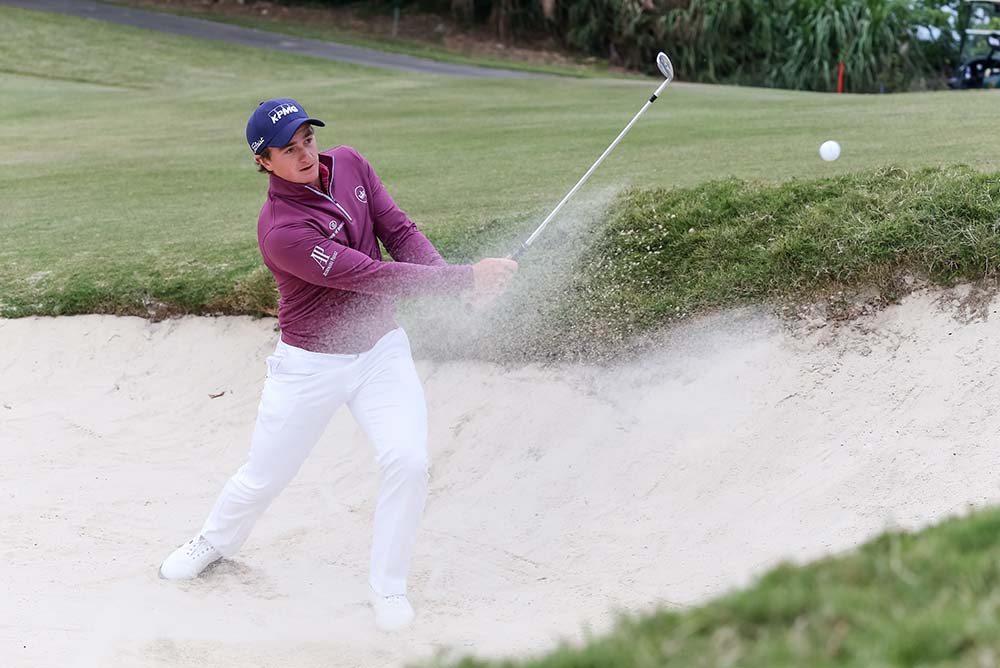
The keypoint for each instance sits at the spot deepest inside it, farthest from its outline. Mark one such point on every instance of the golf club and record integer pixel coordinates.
(667, 69)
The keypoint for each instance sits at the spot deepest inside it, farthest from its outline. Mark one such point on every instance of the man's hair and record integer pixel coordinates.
(266, 153)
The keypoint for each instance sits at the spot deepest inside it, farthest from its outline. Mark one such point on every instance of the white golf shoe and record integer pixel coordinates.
(190, 559)
(392, 613)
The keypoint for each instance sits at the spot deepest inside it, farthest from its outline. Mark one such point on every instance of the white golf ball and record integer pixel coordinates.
(830, 150)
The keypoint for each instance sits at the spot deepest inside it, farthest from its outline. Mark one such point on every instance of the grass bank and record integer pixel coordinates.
(654, 256)
(929, 598)
(666, 254)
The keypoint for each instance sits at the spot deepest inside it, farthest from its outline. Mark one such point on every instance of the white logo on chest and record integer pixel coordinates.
(360, 193)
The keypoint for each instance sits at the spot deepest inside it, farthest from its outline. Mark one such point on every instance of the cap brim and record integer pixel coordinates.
(284, 136)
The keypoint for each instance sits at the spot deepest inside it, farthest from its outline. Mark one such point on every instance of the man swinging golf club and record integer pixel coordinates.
(319, 232)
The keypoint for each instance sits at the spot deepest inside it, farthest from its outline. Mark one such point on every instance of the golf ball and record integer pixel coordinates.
(829, 150)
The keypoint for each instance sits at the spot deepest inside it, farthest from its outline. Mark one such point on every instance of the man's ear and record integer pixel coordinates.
(263, 162)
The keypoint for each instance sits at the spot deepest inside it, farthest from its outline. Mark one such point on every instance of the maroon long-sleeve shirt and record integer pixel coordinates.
(336, 293)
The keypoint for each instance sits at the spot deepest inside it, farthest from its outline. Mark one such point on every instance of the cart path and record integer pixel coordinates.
(201, 28)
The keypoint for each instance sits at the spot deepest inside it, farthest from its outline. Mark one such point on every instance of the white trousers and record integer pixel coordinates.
(302, 391)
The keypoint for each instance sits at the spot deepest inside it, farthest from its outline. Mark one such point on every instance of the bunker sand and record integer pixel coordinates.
(558, 494)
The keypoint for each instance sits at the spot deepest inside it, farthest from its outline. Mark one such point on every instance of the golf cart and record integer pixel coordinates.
(980, 54)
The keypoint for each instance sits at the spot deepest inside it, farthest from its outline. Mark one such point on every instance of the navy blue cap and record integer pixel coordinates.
(274, 122)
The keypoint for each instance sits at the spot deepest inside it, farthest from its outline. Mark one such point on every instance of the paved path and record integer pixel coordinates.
(191, 27)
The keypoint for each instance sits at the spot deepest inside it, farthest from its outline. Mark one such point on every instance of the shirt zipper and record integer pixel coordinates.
(335, 202)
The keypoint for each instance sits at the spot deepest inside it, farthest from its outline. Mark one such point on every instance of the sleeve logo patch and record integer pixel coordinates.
(323, 259)
(360, 193)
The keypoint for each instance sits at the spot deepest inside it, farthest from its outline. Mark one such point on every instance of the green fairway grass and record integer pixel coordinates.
(128, 186)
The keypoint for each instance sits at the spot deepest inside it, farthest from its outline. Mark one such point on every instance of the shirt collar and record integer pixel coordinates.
(283, 188)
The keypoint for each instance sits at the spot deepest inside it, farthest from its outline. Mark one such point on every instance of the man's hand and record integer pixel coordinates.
(492, 277)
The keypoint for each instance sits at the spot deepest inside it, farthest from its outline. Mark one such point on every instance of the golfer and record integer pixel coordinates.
(319, 232)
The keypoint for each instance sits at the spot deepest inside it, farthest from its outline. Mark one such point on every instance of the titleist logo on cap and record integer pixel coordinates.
(280, 111)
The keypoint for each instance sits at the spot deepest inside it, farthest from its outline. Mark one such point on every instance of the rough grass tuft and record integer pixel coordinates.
(666, 254)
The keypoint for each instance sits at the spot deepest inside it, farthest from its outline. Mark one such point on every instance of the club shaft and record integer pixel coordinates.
(534, 235)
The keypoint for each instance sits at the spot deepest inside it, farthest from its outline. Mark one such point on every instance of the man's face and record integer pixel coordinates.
(297, 162)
